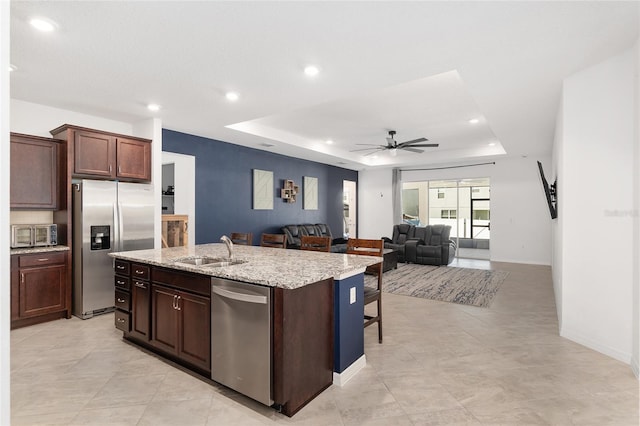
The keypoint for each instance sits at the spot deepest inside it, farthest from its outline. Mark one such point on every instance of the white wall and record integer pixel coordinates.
(152, 129)
(556, 225)
(38, 120)
(5, 287)
(635, 360)
(520, 220)
(596, 161)
(375, 206)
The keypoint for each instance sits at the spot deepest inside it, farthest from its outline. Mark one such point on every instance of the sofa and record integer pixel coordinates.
(295, 232)
(425, 245)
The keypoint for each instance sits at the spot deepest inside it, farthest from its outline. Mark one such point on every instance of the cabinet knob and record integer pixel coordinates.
(120, 320)
(121, 300)
(119, 267)
(141, 284)
(139, 272)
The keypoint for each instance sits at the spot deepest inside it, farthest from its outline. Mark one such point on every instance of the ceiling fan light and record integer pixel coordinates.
(393, 152)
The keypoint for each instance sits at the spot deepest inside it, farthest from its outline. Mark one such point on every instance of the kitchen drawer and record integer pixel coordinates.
(140, 271)
(42, 259)
(123, 283)
(122, 268)
(122, 321)
(123, 300)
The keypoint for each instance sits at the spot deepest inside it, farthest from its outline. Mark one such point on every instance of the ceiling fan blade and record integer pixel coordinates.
(366, 149)
(372, 144)
(406, 148)
(373, 152)
(423, 145)
(414, 141)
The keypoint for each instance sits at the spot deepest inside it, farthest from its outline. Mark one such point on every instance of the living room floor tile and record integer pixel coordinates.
(440, 364)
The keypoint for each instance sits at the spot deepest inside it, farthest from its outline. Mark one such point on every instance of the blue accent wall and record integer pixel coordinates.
(224, 188)
(348, 322)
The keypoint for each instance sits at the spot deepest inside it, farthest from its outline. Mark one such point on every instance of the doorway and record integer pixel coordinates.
(181, 177)
(349, 213)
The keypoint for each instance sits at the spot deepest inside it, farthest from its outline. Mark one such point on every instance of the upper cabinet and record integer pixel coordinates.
(102, 155)
(133, 159)
(35, 171)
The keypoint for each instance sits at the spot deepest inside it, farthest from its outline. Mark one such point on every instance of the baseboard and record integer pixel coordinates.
(635, 366)
(525, 262)
(604, 349)
(340, 379)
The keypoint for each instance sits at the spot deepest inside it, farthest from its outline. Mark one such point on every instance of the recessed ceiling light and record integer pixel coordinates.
(43, 24)
(153, 107)
(329, 142)
(232, 96)
(12, 68)
(374, 156)
(474, 121)
(311, 70)
(492, 144)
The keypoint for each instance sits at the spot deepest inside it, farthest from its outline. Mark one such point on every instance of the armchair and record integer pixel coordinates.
(401, 234)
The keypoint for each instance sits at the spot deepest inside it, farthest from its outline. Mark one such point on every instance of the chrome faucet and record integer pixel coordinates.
(227, 241)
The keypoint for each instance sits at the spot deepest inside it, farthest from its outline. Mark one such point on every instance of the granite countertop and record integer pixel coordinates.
(272, 267)
(33, 250)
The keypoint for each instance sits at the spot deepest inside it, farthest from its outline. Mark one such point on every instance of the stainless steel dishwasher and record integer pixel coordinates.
(241, 338)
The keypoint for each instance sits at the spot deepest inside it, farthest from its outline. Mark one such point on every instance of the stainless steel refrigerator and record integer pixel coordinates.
(108, 216)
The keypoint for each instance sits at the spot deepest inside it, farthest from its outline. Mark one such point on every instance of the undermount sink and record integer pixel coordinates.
(209, 262)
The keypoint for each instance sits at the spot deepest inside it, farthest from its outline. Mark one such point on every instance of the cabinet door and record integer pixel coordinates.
(34, 174)
(164, 319)
(140, 315)
(94, 154)
(42, 290)
(133, 159)
(195, 330)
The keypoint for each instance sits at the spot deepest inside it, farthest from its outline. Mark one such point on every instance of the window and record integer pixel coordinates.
(448, 214)
(440, 194)
(481, 215)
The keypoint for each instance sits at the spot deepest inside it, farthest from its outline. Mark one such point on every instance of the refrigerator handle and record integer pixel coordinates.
(120, 228)
(115, 232)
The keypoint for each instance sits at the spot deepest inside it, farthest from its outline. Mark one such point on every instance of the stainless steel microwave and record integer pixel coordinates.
(34, 235)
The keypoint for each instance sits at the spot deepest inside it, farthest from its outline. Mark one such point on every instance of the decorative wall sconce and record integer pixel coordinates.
(289, 191)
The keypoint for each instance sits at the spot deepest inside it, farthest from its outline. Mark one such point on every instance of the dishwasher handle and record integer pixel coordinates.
(239, 296)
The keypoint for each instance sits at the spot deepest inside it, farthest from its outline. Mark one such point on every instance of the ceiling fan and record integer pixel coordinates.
(393, 146)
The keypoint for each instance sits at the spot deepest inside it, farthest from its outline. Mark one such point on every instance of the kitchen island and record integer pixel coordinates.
(164, 303)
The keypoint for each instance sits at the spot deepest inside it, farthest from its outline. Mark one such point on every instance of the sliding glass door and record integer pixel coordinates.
(463, 204)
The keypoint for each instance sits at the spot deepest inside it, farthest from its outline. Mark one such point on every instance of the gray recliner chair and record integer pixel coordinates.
(401, 234)
(431, 246)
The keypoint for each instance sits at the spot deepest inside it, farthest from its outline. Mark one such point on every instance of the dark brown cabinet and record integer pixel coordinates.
(34, 172)
(133, 159)
(103, 155)
(132, 299)
(140, 314)
(181, 325)
(94, 154)
(39, 290)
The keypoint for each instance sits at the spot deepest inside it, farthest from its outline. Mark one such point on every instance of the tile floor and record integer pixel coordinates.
(440, 364)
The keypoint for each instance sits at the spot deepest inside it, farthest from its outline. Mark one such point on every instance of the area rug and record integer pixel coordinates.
(465, 286)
